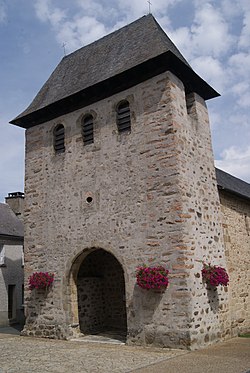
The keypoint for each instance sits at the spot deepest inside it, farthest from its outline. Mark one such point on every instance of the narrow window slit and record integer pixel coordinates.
(123, 118)
(59, 137)
(88, 130)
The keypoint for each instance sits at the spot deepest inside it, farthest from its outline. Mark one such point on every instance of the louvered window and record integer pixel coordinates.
(59, 135)
(123, 117)
(88, 130)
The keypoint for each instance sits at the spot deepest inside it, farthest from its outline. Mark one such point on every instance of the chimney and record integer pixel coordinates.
(16, 202)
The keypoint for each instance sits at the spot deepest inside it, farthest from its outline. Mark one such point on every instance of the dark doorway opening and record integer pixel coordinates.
(101, 296)
(11, 302)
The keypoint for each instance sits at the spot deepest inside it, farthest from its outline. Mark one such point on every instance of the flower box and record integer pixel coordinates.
(152, 277)
(41, 280)
(214, 275)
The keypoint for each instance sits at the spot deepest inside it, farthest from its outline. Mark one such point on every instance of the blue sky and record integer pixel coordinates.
(214, 36)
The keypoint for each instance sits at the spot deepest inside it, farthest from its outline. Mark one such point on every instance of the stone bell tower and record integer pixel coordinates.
(120, 173)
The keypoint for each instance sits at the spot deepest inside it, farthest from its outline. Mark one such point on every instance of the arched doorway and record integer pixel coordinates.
(101, 295)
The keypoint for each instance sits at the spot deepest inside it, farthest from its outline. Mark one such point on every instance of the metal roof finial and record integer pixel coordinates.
(149, 6)
(64, 49)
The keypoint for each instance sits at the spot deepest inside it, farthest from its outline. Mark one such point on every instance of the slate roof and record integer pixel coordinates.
(140, 49)
(232, 184)
(10, 225)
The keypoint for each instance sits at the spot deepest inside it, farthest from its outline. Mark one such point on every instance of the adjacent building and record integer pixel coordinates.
(235, 208)
(11, 260)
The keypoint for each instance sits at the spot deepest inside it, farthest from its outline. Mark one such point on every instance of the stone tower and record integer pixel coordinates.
(120, 173)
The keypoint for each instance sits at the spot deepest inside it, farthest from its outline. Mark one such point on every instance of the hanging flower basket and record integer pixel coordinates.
(41, 280)
(152, 277)
(214, 276)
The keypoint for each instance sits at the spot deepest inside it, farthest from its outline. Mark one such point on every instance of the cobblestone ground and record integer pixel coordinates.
(28, 355)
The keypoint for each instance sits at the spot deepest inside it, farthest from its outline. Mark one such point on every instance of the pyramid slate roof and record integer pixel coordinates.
(232, 184)
(111, 64)
(10, 225)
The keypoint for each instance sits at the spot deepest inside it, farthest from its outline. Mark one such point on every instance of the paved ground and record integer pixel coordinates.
(31, 355)
(232, 356)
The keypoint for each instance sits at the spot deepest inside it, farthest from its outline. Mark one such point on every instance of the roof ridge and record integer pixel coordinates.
(164, 36)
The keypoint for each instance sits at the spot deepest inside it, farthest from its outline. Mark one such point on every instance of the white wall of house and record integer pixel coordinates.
(11, 282)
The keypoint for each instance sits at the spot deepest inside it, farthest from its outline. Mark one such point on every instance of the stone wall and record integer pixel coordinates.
(91, 304)
(154, 201)
(236, 227)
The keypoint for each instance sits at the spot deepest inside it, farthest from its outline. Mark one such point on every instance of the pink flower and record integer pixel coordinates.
(152, 277)
(41, 280)
(214, 275)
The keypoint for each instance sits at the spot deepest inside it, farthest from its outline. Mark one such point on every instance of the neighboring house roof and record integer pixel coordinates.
(113, 63)
(10, 225)
(232, 184)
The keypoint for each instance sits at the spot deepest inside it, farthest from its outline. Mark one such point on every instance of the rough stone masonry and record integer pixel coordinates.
(95, 212)
(155, 200)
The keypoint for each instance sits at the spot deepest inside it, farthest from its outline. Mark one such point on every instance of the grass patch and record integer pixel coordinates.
(246, 335)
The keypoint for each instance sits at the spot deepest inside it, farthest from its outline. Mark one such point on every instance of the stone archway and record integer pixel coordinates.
(101, 295)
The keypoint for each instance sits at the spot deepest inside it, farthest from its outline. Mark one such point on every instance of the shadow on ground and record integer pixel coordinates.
(14, 329)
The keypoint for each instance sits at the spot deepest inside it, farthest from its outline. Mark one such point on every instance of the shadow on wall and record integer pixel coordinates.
(13, 278)
(141, 312)
(213, 299)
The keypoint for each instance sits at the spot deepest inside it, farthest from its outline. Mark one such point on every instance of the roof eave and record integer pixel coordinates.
(124, 80)
(11, 237)
(231, 191)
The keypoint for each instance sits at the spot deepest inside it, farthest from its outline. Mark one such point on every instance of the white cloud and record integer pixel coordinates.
(80, 32)
(136, 9)
(236, 161)
(92, 8)
(88, 20)
(132, 9)
(244, 101)
(242, 92)
(206, 43)
(240, 62)
(231, 8)
(183, 39)
(244, 4)
(241, 9)
(239, 120)
(76, 31)
(210, 31)
(211, 70)
(241, 87)
(106, 12)
(3, 12)
(46, 12)
(245, 34)
(207, 36)
(214, 119)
